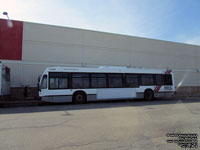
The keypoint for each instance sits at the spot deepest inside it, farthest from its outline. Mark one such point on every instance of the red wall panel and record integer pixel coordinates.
(11, 40)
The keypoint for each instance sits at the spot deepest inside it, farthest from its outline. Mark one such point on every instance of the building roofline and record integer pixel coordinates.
(131, 36)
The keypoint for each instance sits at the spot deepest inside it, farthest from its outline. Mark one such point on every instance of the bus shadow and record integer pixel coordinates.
(48, 107)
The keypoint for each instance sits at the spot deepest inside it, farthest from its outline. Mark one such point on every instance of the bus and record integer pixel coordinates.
(82, 84)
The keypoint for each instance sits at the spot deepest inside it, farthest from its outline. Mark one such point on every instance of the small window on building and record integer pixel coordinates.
(44, 82)
(80, 80)
(131, 80)
(167, 79)
(146, 79)
(98, 80)
(115, 80)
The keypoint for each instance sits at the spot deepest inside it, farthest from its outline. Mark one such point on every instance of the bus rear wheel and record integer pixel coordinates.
(148, 95)
(79, 97)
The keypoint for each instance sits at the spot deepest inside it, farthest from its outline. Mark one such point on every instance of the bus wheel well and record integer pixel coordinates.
(148, 94)
(79, 97)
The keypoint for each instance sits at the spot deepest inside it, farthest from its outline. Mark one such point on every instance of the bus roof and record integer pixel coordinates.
(105, 69)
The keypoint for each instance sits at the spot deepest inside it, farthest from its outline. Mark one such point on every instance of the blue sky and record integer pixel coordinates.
(171, 20)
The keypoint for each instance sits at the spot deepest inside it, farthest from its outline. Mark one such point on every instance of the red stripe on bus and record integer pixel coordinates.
(168, 71)
(158, 87)
(157, 90)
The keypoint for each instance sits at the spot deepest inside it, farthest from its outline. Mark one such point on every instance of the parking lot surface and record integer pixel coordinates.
(112, 125)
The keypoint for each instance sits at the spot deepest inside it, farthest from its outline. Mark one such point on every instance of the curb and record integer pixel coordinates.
(29, 103)
(21, 103)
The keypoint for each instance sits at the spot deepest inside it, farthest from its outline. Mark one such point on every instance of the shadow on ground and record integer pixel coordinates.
(94, 105)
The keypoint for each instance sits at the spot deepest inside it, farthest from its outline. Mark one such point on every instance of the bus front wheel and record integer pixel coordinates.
(148, 95)
(79, 97)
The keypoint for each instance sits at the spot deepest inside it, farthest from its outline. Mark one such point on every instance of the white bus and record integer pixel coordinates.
(81, 84)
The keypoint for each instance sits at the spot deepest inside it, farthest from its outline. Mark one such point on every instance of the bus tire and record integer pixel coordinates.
(79, 97)
(148, 95)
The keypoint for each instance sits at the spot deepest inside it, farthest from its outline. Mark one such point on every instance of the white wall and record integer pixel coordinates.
(45, 45)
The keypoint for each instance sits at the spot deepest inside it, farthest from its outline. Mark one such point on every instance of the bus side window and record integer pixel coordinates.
(98, 80)
(159, 79)
(44, 82)
(80, 80)
(58, 80)
(147, 79)
(167, 79)
(132, 80)
(115, 80)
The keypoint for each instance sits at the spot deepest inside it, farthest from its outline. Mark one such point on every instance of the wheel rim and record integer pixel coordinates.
(149, 95)
(79, 97)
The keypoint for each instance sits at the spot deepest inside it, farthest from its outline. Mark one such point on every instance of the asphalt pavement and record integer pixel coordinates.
(112, 125)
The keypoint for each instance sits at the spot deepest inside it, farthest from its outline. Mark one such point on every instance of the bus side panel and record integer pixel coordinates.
(116, 93)
(65, 95)
(163, 94)
(57, 99)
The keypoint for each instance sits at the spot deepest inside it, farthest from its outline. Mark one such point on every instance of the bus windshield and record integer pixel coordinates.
(43, 84)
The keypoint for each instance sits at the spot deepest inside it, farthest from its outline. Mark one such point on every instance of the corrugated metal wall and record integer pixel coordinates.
(45, 45)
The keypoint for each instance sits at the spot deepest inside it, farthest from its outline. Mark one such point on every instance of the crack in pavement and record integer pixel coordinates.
(100, 141)
(13, 119)
(84, 144)
(44, 126)
(121, 147)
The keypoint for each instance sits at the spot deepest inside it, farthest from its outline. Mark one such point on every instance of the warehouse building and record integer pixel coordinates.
(28, 48)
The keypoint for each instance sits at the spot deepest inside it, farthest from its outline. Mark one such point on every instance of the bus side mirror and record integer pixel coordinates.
(38, 86)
